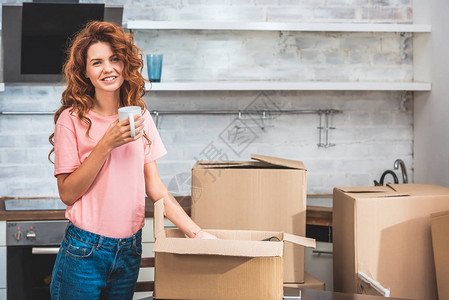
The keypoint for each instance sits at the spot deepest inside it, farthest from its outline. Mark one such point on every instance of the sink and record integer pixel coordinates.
(34, 204)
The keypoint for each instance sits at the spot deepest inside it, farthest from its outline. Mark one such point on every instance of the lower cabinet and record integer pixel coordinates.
(2, 294)
(2, 260)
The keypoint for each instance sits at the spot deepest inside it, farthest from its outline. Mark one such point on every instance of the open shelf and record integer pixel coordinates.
(277, 26)
(278, 85)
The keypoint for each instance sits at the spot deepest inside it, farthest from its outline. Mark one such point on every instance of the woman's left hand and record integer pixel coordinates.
(205, 236)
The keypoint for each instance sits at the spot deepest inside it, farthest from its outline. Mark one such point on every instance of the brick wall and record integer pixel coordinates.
(374, 129)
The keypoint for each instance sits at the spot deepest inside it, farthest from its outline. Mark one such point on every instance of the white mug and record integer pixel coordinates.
(128, 112)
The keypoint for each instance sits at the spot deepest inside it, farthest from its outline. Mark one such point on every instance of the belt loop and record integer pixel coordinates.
(67, 228)
(134, 241)
(100, 241)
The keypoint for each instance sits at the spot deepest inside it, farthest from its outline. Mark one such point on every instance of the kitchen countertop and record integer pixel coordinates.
(27, 215)
(315, 215)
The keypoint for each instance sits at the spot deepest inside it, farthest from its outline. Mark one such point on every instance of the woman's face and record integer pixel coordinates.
(104, 68)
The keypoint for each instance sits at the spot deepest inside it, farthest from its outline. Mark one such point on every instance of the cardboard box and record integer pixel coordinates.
(440, 238)
(310, 282)
(384, 232)
(266, 194)
(239, 265)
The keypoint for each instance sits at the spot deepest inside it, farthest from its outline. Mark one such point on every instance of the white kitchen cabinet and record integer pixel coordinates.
(2, 294)
(2, 258)
(2, 267)
(2, 233)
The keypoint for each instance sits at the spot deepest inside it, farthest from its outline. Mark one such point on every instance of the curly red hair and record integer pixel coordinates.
(79, 94)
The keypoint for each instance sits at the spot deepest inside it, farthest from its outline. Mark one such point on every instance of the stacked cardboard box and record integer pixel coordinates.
(239, 265)
(384, 232)
(440, 238)
(266, 194)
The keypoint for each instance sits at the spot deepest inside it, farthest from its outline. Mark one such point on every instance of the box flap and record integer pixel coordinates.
(299, 240)
(204, 164)
(158, 220)
(421, 189)
(439, 214)
(369, 286)
(366, 189)
(218, 247)
(372, 192)
(294, 164)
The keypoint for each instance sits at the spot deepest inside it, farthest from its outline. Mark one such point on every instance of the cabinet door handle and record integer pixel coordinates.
(36, 250)
(319, 252)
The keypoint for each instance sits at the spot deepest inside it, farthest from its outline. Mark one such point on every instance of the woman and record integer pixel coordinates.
(102, 172)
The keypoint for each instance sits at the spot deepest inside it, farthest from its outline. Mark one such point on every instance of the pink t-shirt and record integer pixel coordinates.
(114, 205)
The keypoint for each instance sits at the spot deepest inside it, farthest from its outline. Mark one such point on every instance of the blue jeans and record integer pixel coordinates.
(91, 266)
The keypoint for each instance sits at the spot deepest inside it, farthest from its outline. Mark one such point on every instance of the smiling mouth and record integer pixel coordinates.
(110, 78)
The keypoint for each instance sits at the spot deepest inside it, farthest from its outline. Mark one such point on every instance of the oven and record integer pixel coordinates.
(31, 249)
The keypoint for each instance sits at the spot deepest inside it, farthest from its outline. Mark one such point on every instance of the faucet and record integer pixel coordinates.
(382, 178)
(400, 162)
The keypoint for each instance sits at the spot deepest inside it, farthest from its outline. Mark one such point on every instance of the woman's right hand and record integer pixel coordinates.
(119, 133)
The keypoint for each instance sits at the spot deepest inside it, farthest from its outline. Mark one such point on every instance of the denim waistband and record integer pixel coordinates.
(96, 239)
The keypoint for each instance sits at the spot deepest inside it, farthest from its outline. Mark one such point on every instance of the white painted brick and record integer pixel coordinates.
(341, 73)
(359, 58)
(32, 187)
(337, 13)
(290, 14)
(408, 15)
(330, 3)
(390, 43)
(383, 2)
(332, 180)
(385, 74)
(385, 58)
(316, 43)
(403, 148)
(402, 119)
(382, 13)
(220, 13)
(311, 56)
(21, 171)
(320, 165)
(14, 155)
(265, 2)
(335, 58)
(360, 43)
(359, 118)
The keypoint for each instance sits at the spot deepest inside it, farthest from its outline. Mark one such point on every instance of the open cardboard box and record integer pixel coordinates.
(384, 232)
(440, 238)
(239, 265)
(267, 193)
